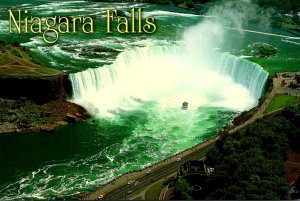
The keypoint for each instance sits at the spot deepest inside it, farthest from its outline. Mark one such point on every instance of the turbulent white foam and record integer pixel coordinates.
(245, 56)
(289, 41)
(4, 24)
(57, 4)
(25, 5)
(161, 13)
(169, 75)
(34, 42)
(258, 32)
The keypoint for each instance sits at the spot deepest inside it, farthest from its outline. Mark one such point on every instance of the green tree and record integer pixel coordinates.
(213, 157)
(190, 4)
(182, 190)
(251, 164)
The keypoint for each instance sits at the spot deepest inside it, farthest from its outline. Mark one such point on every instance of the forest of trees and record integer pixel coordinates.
(283, 6)
(251, 163)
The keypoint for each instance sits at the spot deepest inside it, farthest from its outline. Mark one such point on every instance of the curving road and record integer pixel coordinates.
(129, 191)
(121, 190)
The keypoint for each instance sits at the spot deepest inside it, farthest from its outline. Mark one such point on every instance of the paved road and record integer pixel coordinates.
(154, 176)
(143, 182)
(120, 192)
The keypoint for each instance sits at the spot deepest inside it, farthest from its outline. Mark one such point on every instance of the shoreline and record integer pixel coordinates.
(56, 114)
(122, 179)
(37, 103)
(33, 97)
(119, 182)
(136, 174)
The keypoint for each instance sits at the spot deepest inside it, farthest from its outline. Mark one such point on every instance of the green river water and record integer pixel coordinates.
(77, 158)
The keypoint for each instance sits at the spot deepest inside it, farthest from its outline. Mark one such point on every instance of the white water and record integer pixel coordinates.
(169, 75)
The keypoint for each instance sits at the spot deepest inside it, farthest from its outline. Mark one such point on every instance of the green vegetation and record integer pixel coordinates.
(281, 101)
(17, 60)
(296, 195)
(282, 21)
(251, 164)
(263, 50)
(277, 64)
(190, 4)
(154, 191)
(190, 187)
(258, 50)
(93, 52)
(186, 4)
(289, 22)
(285, 6)
(182, 190)
(182, 5)
(47, 71)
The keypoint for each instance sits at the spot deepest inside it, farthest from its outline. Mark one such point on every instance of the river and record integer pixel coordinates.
(134, 93)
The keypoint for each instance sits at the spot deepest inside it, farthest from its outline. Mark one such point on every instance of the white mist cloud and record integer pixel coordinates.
(170, 75)
(210, 33)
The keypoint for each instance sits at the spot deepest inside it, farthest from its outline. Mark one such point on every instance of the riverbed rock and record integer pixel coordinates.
(47, 127)
(70, 118)
(62, 123)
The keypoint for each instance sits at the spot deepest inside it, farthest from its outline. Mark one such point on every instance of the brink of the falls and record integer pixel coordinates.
(170, 75)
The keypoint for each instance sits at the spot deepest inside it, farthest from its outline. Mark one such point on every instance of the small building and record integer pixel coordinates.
(193, 167)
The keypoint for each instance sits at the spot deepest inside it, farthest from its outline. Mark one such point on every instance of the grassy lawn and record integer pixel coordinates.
(183, 5)
(281, 63)
(169, 195)
(16, 62)
(154, 191)
(281, 101)
(47, 71)
(138, 198)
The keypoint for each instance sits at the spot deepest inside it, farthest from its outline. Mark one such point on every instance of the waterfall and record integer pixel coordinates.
(166, 72)
(242, 71)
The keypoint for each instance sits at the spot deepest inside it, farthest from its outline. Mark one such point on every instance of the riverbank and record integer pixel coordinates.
(118, 188)
(24, 115)
(33, 97)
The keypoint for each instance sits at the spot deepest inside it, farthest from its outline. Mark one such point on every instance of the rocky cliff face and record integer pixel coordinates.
(38, 89)
(32, 103)
(33, 97)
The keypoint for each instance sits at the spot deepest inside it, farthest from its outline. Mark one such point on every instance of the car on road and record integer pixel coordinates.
(129, 191)
(148, 171)
(101, 196)
(178, 159)
(130, 182)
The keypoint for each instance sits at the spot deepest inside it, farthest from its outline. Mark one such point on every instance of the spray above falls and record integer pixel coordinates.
(191, 70)
(169, 75)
